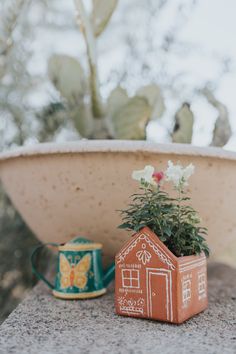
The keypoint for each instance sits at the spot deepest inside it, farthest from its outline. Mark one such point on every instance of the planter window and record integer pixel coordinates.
(186, 291)
(201, 285)
(130, 278)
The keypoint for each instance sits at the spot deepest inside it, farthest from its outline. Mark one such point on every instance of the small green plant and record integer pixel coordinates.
(175, 222)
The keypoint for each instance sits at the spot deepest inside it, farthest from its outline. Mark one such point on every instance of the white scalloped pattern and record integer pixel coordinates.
(155, 248)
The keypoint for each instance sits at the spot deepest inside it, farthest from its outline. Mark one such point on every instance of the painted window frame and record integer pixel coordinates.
(186, 291)
(131, 279)
(201, 285)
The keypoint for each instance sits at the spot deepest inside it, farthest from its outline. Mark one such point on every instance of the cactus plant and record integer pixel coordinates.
(121, 117)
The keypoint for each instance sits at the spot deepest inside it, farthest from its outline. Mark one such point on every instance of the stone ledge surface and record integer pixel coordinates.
(42, 324)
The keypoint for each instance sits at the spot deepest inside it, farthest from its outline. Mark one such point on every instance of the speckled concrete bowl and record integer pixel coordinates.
(63, 190)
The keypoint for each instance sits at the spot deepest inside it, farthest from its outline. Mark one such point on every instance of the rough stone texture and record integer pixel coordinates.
(43, 324)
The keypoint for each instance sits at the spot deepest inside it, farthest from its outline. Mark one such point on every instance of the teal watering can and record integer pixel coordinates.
(79, 270)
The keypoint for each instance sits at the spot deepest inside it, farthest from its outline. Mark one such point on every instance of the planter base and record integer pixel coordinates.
(163, 321)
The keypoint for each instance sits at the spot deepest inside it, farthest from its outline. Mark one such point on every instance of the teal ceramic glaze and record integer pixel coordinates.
(79, 270)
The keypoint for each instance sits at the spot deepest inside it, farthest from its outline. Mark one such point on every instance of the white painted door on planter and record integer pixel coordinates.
(158, 293)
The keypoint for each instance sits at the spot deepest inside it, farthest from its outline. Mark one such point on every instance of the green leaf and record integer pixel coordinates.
(67, 76)
(183, 129)
(118, 98)
(101, 14)
(129, 122)
(82, 119)
(168, 231)
(124, 226)
(155, 99)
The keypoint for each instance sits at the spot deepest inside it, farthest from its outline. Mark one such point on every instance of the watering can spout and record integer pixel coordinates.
(109, 274)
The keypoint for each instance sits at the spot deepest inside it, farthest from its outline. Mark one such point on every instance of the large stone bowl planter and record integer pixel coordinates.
(76, 188)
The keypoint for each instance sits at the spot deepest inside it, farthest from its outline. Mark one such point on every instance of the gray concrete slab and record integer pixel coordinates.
(42, 324)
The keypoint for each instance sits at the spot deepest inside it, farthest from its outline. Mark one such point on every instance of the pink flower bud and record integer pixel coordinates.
(158, 176)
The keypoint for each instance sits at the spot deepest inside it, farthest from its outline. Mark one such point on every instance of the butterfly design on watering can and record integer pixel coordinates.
(75, 274)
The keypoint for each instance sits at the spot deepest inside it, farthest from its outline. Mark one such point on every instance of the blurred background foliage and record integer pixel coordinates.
(96, 69)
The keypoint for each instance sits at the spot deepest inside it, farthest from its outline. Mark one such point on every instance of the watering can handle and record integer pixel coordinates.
(33, 263)
(109, 274)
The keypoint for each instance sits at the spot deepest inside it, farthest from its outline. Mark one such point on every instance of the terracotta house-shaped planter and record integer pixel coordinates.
(151, 282)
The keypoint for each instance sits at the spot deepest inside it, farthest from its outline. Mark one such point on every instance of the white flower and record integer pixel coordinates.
(174, 173)
(178, 174)
(188, 171)
(145, 175)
